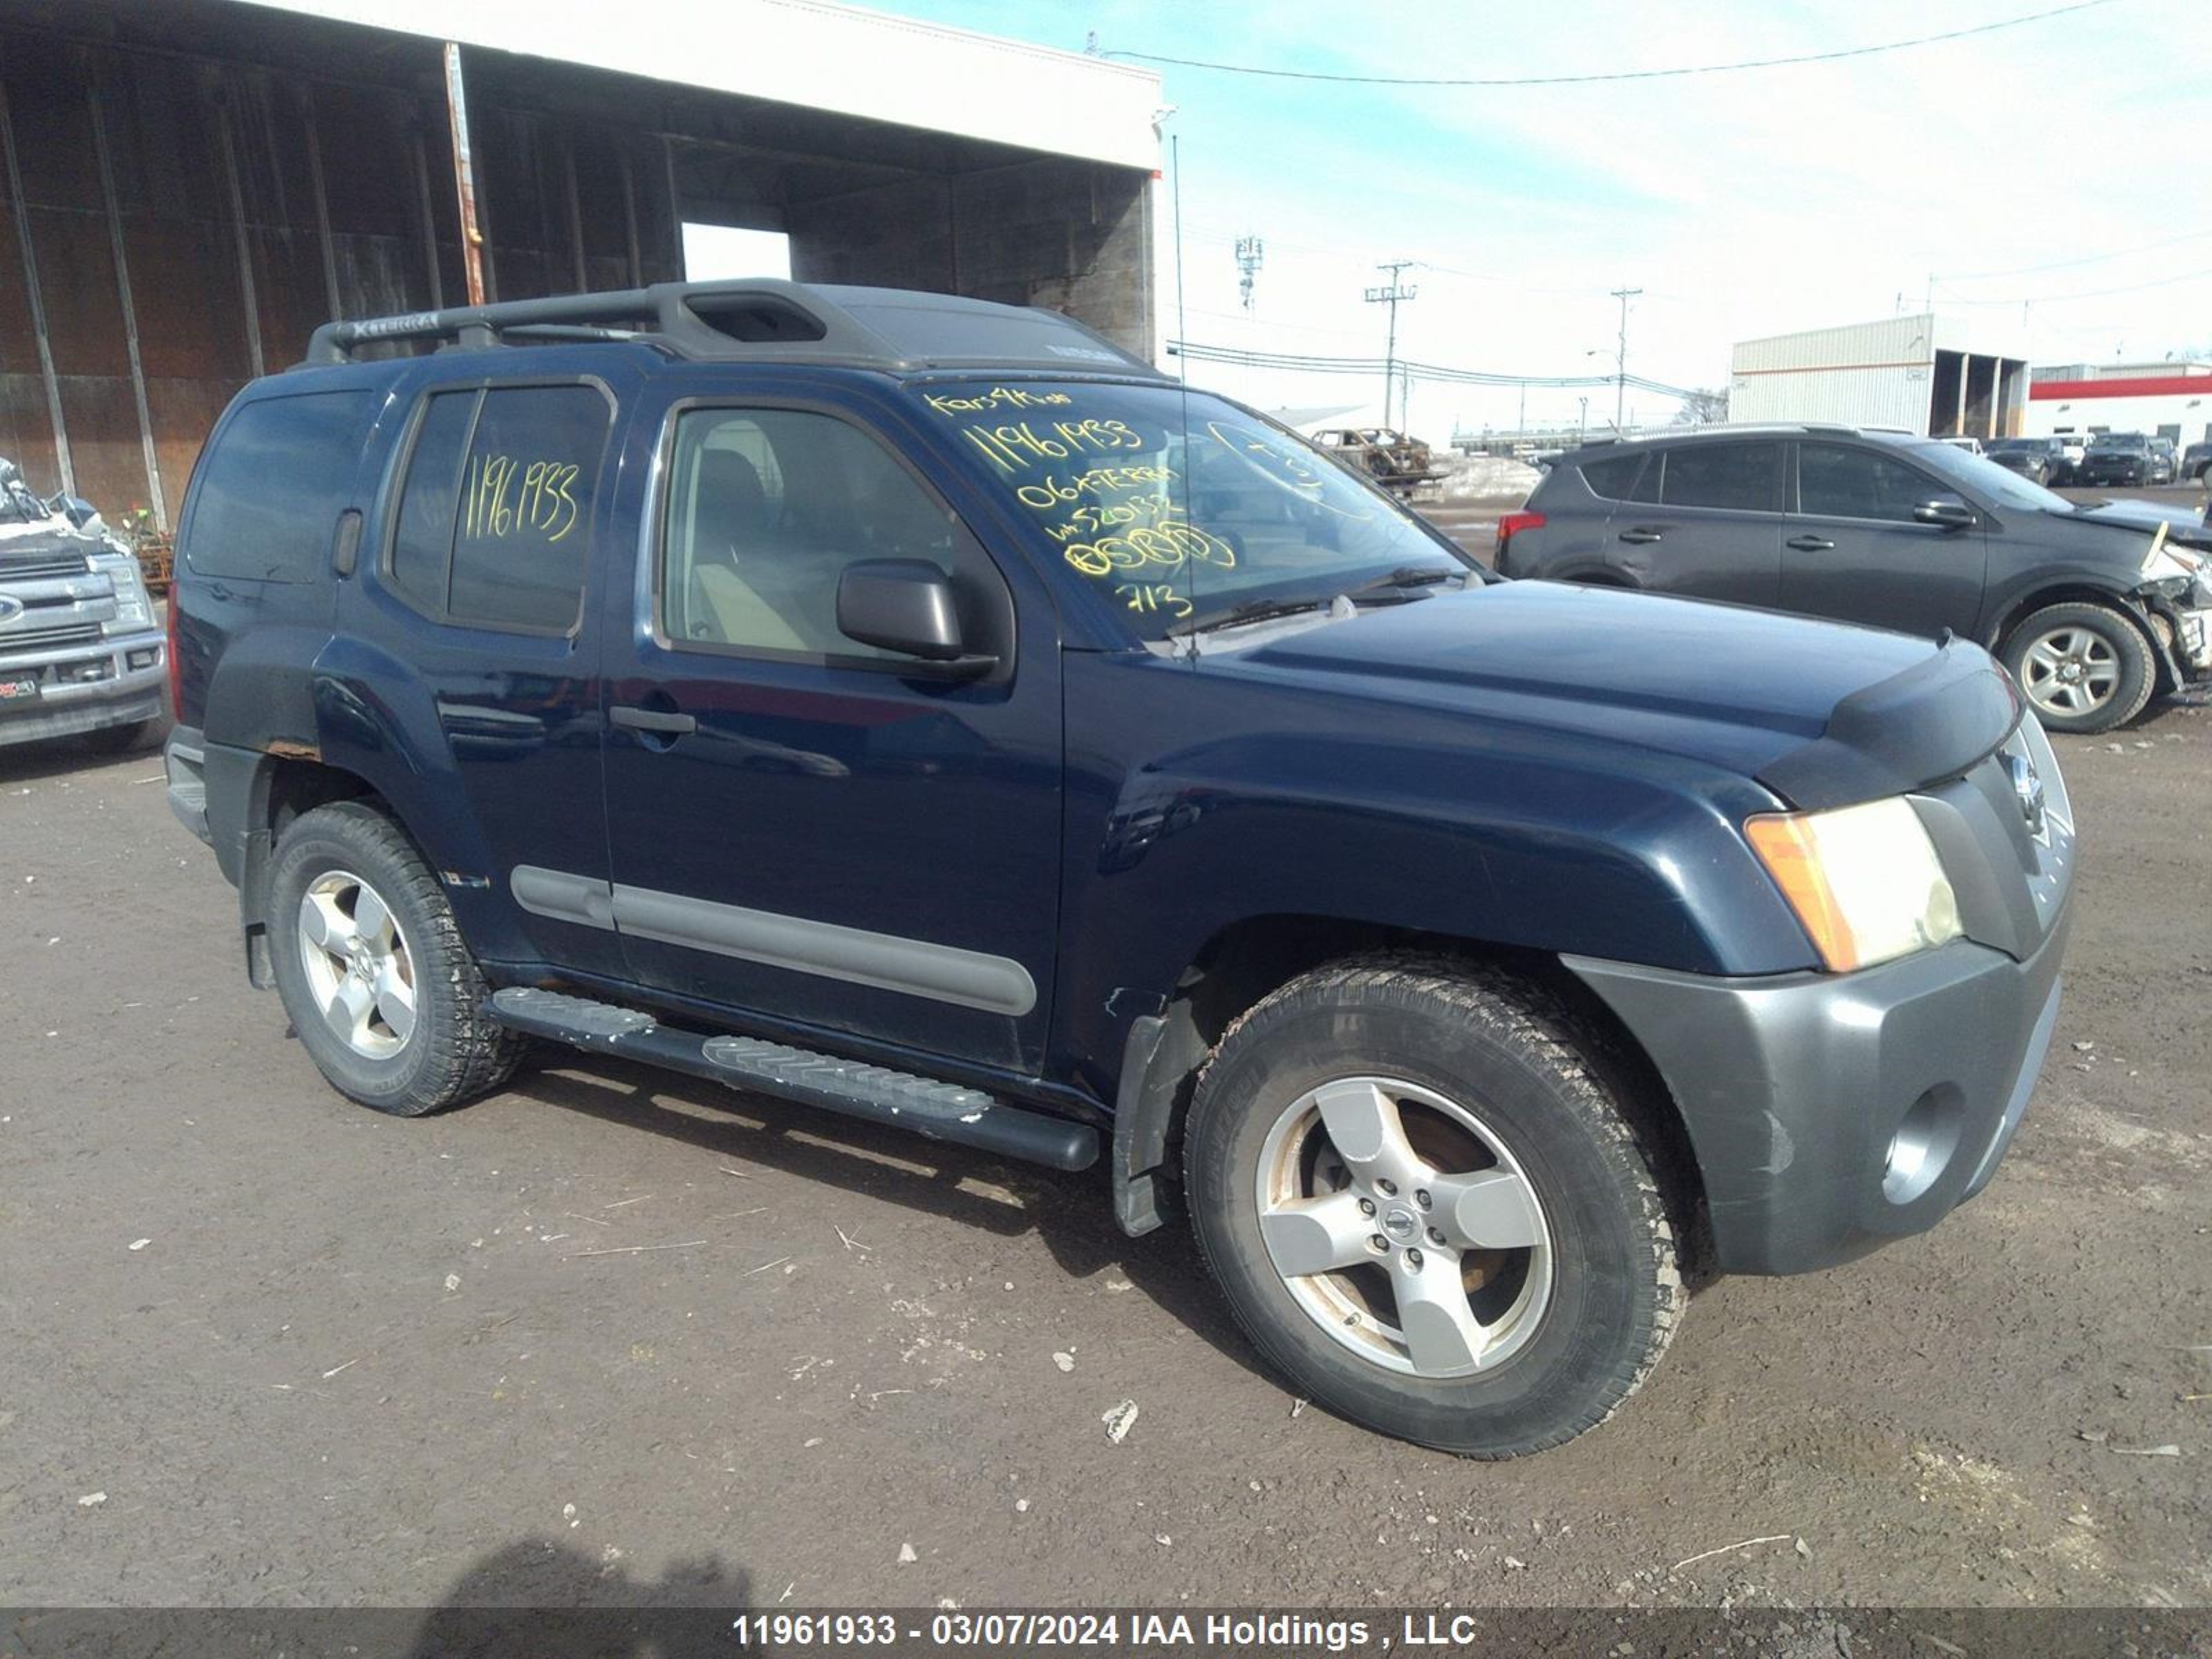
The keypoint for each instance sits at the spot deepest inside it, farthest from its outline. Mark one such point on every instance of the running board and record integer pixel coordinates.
(875, 1094)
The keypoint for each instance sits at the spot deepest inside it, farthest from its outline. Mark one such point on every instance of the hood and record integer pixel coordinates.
(1821, 714)
(2181, 524)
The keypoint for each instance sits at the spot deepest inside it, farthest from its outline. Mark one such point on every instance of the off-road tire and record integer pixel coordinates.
(455, 1051)
(2138, 669)
(1571, 1115)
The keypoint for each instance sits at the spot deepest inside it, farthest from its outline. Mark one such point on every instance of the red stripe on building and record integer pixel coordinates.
(2148, 385)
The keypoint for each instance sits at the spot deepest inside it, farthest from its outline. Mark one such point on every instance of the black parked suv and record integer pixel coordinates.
(2096, 609)
(2041, 459)
(2121, 458)
(919, 709)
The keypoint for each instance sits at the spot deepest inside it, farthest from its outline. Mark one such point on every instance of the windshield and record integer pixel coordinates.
(2016, 445)
(1183, 508)
(1985, 477)
(2127, 440)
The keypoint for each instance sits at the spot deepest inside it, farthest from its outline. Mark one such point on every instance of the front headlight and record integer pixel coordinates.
(134, 606)
(1865, 880)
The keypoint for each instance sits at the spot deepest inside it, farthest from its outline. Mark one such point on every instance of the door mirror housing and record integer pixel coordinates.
(906, 605)
(1945, 513)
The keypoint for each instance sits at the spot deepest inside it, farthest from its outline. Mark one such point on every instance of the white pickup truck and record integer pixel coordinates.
(81, 654)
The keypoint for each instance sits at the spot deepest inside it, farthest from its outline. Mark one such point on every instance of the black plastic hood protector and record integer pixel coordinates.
(1931, 721)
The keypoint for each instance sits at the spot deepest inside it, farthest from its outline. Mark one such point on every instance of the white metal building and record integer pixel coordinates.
(1926, 374)
(2166, 399)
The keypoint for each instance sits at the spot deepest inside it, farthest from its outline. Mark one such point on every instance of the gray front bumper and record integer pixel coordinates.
(1793, 1087)
(125, 696)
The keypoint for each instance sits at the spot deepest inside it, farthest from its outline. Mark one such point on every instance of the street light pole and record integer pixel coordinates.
(1620, 356)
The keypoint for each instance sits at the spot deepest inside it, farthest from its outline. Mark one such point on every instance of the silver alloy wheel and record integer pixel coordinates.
(359, 968)
(2070, 671)
(1403, 1227)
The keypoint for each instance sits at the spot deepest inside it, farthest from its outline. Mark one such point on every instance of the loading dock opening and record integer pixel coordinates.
(191, 188)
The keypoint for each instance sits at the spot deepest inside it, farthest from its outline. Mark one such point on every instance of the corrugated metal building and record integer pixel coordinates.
(190, 187)
(1924, 374)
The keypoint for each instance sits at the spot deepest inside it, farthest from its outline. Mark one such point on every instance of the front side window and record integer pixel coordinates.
(767, 509)
(1179, 507)
(1836, 482)
(494, 526)
(1741, 476)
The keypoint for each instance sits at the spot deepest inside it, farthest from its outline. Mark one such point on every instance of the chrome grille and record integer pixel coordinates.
(48, 638)
(40, 566)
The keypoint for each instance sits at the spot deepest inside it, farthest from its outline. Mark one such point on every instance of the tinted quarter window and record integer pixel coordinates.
(272, 486)
(494, 526)
(1741, 475)
(1836, 482)
(1613, 478)
(767, 507)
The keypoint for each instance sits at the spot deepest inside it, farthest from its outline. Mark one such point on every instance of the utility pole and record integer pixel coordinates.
(1582, 426)
(1250, 250)
(1390, 293)
(1620, 357)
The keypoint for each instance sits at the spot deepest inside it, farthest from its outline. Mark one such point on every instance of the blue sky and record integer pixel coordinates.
(1741, 204)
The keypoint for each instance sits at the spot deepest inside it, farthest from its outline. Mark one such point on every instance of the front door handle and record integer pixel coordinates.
(1642, 536)
(651, 720)
(1810, 545)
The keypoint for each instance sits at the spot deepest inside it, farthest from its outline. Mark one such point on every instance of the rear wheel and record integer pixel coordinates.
(2082, 667)
(1419, 1185)
(372, 970)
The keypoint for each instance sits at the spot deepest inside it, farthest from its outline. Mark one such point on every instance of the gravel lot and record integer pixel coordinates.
(615, 1334)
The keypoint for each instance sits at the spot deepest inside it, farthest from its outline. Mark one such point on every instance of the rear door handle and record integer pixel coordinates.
(1810, 545)
(651, 720)
(1640, 536)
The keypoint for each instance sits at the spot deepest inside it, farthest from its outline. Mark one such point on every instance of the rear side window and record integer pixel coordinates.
(494, 516)
(1739, 475)
(272, 486)
(1836, 482)
(1611, 479)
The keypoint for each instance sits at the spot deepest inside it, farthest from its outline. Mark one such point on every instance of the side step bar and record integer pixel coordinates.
(941, 1111)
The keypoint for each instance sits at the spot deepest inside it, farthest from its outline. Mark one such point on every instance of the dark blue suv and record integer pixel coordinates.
(917, 708)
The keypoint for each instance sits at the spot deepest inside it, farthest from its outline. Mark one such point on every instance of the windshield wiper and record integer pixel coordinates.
(1410, 575)
(1251, 610)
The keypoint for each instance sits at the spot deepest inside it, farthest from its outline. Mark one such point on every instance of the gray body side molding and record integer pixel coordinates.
(942, 972)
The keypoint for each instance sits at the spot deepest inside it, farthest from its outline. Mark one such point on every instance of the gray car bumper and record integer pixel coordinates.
(1831, 1114)
(133, 671)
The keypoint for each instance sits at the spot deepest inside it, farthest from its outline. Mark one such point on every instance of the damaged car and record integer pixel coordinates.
(81, 652)
(2097, 608)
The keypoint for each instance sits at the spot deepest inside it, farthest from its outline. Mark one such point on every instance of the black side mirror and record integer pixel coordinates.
(906, 605)
(1945, 513)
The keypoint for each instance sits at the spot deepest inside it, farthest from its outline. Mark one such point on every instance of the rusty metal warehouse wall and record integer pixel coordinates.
(189, 189)
(175, 225)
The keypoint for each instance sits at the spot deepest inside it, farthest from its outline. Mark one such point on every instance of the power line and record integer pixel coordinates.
(1201, 352)
(2071, 265)
(1617, 74)
(2081, 294)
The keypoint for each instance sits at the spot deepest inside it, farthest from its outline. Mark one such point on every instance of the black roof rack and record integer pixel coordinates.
(764, 320)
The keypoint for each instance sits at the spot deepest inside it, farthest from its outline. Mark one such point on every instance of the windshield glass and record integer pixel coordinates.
(2129, 440)
(1985, 477)
(1181, 507)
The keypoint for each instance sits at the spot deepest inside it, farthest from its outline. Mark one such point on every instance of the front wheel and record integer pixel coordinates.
(376, 979)
(1421, 1189)
(2082, 667)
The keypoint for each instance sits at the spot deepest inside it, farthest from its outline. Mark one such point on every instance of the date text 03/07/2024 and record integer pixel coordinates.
(1200, 1632)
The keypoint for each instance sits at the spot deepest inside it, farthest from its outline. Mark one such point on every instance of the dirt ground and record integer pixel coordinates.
(614, 1334)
